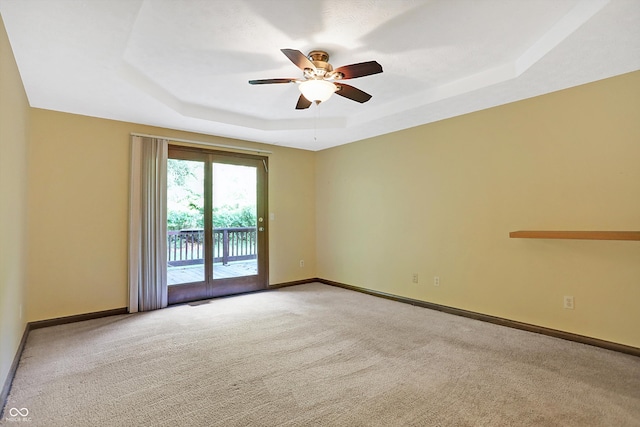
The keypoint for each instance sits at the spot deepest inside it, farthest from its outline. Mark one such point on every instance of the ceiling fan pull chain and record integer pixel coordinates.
(315, 123)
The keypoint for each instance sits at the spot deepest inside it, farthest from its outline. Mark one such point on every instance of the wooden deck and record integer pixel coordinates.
(195, 273)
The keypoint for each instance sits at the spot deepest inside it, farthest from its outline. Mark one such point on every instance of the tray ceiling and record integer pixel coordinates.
(185, 64)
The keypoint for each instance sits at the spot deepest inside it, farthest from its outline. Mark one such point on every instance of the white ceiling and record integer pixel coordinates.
(184, 64)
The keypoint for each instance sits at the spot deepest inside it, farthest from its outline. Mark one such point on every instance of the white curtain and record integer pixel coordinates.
(148, 224)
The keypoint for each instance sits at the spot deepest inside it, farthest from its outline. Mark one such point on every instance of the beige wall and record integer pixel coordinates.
(78, 212)
(14, 122)
(441, 199)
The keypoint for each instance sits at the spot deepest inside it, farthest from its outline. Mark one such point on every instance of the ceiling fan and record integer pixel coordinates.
(320, 80)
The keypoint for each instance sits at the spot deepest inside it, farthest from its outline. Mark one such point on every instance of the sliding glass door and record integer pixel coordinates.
(216, 206)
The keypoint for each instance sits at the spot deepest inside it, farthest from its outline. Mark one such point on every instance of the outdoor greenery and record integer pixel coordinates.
(223, 217)
(185, 200)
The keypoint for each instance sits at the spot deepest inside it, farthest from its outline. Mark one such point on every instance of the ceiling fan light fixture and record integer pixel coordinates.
(317, 85)
(317, 90)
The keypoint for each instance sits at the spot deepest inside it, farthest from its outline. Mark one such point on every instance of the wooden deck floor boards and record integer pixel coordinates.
(195, 273)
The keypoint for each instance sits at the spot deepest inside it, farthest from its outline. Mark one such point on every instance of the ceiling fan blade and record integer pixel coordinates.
(298, 58)
(303, 103)
(352, 93)
(359, 70)
(270, 81)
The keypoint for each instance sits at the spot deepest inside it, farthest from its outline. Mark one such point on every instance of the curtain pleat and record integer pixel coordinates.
(148, 224)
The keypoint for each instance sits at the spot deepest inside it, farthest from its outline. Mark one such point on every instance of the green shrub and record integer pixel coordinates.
(223, 217)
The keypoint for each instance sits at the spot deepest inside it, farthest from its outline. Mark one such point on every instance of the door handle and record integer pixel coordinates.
(260, 228)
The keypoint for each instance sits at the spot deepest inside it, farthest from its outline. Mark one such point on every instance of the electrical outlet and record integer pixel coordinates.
(415, 278)
(436, 280)
(301, 263)
(568, 302)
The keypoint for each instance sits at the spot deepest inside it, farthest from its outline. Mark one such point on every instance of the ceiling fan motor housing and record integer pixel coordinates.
(320, 60)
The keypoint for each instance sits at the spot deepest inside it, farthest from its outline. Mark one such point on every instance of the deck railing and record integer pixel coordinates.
(186, 247)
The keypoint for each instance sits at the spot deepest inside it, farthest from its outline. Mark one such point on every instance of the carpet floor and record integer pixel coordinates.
(315, 355)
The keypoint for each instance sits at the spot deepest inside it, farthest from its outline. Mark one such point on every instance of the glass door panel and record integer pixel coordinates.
(185, 221)
(235, 248)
